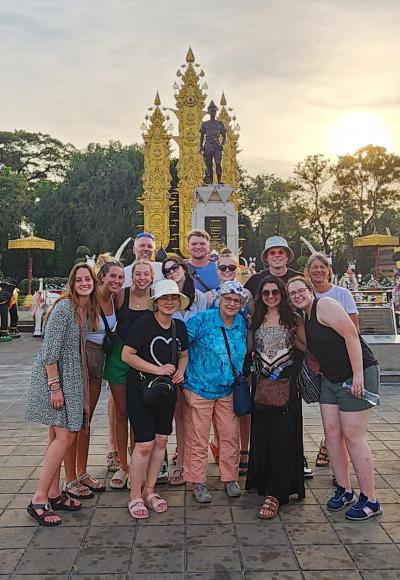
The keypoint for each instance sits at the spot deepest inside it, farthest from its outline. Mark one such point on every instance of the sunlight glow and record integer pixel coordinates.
(355, 130)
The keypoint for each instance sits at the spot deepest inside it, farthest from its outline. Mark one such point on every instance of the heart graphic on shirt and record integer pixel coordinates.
(153, 347)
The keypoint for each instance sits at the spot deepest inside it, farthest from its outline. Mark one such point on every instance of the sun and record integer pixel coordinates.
(355, 130)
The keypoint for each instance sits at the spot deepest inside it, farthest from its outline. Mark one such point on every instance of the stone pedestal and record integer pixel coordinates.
(216, 213)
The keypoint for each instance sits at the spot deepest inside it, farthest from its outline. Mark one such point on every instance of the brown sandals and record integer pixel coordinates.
(322, 459)
(271, 505)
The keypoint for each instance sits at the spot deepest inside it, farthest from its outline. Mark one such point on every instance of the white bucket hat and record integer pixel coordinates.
(164, 288)
(276, 242)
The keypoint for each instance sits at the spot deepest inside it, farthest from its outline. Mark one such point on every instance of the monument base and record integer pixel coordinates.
(216, 213)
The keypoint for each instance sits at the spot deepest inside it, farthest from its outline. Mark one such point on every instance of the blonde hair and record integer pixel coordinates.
(144, 263)
(227, 253)
(103, 265)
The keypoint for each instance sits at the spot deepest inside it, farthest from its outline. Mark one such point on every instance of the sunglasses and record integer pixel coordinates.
(274, 293)
(145, 235)
(230, 268)
(171, 270)
(276, 252)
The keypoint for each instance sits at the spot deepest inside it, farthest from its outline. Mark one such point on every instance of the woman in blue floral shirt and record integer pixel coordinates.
(208, 389)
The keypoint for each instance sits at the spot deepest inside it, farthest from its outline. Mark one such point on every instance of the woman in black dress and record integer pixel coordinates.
(276, 445)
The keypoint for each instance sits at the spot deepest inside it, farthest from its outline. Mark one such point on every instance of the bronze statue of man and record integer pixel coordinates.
(211, 143)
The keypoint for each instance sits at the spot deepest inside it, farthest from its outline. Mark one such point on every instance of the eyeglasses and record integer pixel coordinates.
(274, 293)
(300, 292)
(171, 269)
(230, 268)
(145, 235)
(276, 252)
(234, 301)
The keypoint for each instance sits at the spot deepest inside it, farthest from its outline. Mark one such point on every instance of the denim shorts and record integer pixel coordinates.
(336, 394)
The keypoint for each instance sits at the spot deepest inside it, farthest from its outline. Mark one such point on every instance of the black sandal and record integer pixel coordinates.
(61, 503)
(47, 511)
(244, 465)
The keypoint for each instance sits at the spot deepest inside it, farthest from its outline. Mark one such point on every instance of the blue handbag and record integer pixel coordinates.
(240, 387)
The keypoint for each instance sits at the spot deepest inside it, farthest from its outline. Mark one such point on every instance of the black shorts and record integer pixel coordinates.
(145, 421)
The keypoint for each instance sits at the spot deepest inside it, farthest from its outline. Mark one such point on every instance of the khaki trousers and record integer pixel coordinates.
(200, 413)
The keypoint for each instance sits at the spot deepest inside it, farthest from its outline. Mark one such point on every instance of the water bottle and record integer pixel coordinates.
(274, 376)
(372, 398)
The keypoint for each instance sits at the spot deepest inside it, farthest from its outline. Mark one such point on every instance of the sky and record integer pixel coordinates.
(303, 76)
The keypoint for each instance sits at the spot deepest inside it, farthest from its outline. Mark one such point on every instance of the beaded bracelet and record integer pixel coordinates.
(53, 380)
(55, 390)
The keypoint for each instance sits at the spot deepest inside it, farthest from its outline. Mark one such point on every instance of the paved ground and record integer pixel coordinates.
(221, 541)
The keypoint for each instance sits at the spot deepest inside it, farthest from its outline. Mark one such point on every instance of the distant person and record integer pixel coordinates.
(58, 394)
(8, 306)
(276, 256)
(203, 270)
(143, 249)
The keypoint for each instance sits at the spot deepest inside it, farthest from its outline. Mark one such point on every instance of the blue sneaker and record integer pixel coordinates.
(357, 511)
(340, 500)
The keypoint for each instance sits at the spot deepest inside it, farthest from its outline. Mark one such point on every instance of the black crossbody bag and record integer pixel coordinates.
(240, 386)
(161, 392)
(110, 337)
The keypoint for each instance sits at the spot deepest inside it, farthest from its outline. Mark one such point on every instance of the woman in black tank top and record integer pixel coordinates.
(131, 306)
(343, 357)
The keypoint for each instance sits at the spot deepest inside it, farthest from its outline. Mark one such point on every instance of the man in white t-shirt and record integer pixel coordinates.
(143, 249)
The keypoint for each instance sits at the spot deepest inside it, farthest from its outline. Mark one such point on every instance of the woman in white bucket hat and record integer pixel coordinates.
(149, 352)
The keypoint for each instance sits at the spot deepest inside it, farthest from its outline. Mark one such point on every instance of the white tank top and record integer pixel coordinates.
(98, 336)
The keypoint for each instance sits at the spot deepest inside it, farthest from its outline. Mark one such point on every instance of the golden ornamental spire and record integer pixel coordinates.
(156, 177)
(190, 101)
(230, 168)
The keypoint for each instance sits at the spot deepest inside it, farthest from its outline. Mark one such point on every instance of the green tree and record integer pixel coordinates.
(369, 181)
(36, 156)
(317, 206)
(96, 205)
(15, 201)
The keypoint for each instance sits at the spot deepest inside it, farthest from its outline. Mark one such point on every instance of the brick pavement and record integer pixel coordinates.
(220, 541)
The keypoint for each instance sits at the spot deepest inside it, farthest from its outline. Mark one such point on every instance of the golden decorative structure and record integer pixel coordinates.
(190, 102)
(230, 168)
(375, 240)
(190, 109)
(156, 177)
(30, 243)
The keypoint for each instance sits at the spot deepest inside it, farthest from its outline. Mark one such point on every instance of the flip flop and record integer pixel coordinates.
(156, 503)
(135, 506)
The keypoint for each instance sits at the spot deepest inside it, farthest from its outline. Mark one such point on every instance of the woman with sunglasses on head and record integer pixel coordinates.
(276, 446)
(131, 305)
(319, 271)
(58, 394)
(174, 268)
(110, 276)
(208, 389)
(156, 347)
(228, 270)
(348, 369)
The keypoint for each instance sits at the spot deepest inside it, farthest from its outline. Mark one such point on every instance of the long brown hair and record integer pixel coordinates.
(287, 315)
(188, 288)
(93, 308)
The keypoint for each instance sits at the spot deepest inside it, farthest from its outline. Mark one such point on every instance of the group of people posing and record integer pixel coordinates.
(171, 338)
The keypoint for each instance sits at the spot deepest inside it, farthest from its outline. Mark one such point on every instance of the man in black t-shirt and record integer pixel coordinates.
(276, 256)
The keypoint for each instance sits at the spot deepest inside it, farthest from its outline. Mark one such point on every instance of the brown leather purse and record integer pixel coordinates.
(271, 393)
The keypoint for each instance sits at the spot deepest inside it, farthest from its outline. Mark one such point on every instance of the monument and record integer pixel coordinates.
(203, 197)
